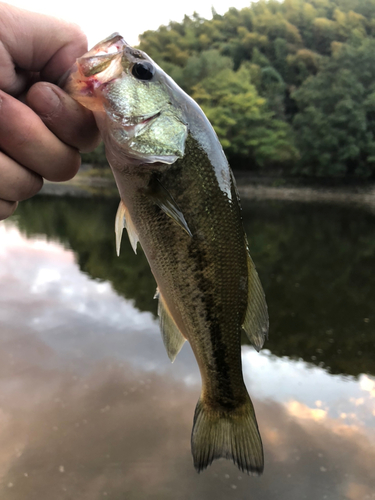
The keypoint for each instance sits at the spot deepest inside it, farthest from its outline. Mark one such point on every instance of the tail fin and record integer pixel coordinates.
(230, 434)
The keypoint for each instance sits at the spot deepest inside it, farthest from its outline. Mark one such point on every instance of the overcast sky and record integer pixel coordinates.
(130, 18)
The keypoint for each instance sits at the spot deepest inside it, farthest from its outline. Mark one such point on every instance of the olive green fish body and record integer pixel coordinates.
(203, 278)
(180, 202)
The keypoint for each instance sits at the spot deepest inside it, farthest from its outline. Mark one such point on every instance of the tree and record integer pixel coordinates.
(335, 122)
(246, 128)
(307, 91)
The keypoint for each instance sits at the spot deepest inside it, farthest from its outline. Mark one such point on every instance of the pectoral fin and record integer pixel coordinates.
(163, 199)
(256, 318)
(122, 220)
(172, 337)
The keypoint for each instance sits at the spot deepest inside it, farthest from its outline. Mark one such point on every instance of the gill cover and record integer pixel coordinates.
(136, 97)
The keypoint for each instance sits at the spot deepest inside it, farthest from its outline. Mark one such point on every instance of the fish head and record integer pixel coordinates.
(135, 103)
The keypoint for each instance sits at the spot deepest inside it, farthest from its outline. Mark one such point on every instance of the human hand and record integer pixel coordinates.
(42, 129)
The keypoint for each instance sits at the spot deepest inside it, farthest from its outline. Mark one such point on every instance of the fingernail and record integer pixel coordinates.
(45, 101)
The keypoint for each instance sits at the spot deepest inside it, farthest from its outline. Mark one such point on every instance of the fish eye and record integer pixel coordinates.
(143, 70)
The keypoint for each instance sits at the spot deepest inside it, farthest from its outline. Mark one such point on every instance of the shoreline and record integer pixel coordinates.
(309, 194)
(249, 187)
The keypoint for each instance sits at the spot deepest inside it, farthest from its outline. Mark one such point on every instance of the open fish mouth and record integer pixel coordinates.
(102, 57)
(111, 45)
(99, 66)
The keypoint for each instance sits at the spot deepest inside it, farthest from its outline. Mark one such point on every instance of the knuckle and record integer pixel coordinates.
(66, 170)
(78, 35)
(30, 188)
(76, 39)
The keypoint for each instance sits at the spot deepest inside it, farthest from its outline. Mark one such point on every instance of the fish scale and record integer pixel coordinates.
(216, 279)
(179, 200)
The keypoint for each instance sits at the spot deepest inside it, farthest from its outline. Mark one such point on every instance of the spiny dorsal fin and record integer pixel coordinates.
(163, 199)
(123, 219)
(256, 317)
(172, 337)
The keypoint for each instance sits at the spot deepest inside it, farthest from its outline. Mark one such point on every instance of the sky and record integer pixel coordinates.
(130, 18)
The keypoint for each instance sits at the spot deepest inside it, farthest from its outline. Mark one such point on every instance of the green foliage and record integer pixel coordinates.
(336, 120)
(286, 83)
(199, 67)
(241, 119)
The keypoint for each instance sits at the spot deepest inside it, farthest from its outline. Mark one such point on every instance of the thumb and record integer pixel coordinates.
(34, 42)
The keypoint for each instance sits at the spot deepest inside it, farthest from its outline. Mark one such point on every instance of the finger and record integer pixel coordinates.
(35, 42)
(16, 182)
(25, 138)
(11, 79)
(7, 208)
(71, 122)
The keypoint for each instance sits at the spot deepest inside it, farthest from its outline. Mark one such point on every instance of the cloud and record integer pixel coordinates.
(91, 408)
(121, 432)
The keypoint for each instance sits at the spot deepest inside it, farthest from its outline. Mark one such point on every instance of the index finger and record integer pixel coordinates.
(36, 43)
(26, 139)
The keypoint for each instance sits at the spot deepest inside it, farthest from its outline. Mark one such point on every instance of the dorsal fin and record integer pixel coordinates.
(122, 220)
(256, 318)
(172, 337)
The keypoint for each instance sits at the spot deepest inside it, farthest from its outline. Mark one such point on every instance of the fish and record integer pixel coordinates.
(179, 201)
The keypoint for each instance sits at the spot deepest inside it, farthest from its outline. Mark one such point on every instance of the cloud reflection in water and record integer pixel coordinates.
(91, 408)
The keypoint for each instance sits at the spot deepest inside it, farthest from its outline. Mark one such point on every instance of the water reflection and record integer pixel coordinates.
(316, 263)
(91, 408)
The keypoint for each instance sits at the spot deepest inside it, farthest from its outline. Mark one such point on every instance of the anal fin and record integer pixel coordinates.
(172, 337)
(122, 220)
(256, 318)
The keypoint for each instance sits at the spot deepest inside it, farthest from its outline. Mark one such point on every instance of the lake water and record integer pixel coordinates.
(90, 406)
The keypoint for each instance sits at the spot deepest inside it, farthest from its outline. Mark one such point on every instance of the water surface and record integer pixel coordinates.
(90, 406)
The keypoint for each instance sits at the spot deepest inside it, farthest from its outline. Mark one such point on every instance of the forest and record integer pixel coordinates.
(288, 86)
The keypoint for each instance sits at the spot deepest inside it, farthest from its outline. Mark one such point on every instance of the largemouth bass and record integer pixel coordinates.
(179, 201)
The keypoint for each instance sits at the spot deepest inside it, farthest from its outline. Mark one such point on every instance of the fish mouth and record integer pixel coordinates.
(102, 63)
(115, 43)
(97, 67)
